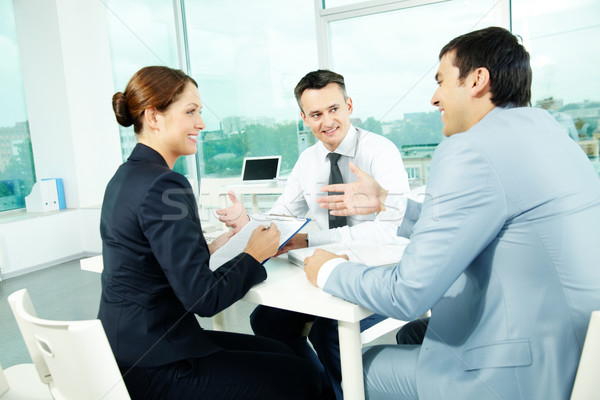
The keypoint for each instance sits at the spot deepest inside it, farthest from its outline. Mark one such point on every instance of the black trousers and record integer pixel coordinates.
(287, 326)
(250, 368)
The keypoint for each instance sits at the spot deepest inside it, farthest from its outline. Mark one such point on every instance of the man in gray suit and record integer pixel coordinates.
(504, 250)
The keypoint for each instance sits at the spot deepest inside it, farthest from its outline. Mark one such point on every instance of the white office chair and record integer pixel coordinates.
(380, 329)
(21, 382)
(587, 380)
(73, 357)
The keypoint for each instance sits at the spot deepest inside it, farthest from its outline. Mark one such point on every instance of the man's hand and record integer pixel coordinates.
(263, 242)
(296, 242)
(362, 197)
(234, 217)
(313, 264)
(219, 241)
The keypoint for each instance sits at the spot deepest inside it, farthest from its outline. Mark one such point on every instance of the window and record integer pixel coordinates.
(17, 172)
(561, 38)
(141, 33)
(247, 57)
(413, 173)
(389, 62)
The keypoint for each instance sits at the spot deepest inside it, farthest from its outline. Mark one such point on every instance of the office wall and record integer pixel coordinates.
(46, 240)
(67, 74)
(68, 81)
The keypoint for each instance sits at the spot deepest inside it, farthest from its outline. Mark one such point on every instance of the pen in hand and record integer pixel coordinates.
(263, 242)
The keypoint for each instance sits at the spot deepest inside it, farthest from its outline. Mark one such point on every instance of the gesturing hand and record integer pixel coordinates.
(362, 197)
(234, 217)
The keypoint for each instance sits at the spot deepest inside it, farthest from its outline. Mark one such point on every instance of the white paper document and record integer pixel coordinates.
(370, 254)
(288, 227)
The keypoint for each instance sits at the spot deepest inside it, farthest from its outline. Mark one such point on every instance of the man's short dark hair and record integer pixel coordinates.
(318, 80)
(501, 52)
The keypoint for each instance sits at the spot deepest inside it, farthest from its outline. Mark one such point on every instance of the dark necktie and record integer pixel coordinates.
(335, 176)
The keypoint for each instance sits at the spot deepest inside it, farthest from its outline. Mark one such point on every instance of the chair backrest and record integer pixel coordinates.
(379, 329)
(587, 380)
(20, 300)
(3, 382)
(74, 357)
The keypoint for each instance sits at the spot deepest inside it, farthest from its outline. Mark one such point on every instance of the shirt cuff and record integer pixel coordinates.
(327, 269)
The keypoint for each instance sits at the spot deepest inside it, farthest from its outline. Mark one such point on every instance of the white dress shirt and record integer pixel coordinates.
(372, 153)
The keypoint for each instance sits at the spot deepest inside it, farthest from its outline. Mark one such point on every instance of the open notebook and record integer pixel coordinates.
(288, 227)
(368, 253)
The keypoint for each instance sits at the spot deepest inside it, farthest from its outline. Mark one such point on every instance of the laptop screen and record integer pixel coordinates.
(260, 168)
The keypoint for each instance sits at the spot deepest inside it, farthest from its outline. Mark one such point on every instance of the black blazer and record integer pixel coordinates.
(156, 274)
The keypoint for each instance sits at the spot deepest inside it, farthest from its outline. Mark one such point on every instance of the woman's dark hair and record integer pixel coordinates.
(155, 86)
(318, 80)
(500, 52)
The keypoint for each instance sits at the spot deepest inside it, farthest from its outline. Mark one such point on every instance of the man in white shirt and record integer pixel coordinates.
(326, 109)
(327, 113)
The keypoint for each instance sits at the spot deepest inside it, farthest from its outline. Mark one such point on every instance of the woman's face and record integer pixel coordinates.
(179, 126)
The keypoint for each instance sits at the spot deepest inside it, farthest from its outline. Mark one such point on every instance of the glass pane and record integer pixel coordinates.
(562, 39)
(389, 62)
(17, 173)
(141, 33)
(247, 58)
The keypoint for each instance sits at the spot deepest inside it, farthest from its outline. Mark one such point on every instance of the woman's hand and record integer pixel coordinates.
(219, 241)
(263, 242)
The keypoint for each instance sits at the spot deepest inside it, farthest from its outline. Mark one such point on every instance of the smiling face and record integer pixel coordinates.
(327, 114)
(453, 97)
(179, 126)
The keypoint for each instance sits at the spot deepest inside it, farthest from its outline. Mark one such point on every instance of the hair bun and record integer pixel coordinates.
(121, 109)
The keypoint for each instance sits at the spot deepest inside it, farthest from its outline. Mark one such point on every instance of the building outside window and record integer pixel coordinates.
(247, 68)
(17, 171)
(391, 83)
(562, 39)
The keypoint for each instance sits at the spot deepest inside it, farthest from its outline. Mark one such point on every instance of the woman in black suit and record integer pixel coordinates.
(156, 274)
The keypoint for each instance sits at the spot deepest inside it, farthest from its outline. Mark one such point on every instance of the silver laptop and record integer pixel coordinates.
(261, 170)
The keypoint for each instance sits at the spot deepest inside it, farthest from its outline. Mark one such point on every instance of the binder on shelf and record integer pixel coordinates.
(46, 195)
(60, 191)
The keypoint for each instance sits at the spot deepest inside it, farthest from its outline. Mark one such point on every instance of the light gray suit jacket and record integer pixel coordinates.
(505, 252)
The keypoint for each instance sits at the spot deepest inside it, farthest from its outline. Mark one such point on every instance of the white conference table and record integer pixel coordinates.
(287, 288)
